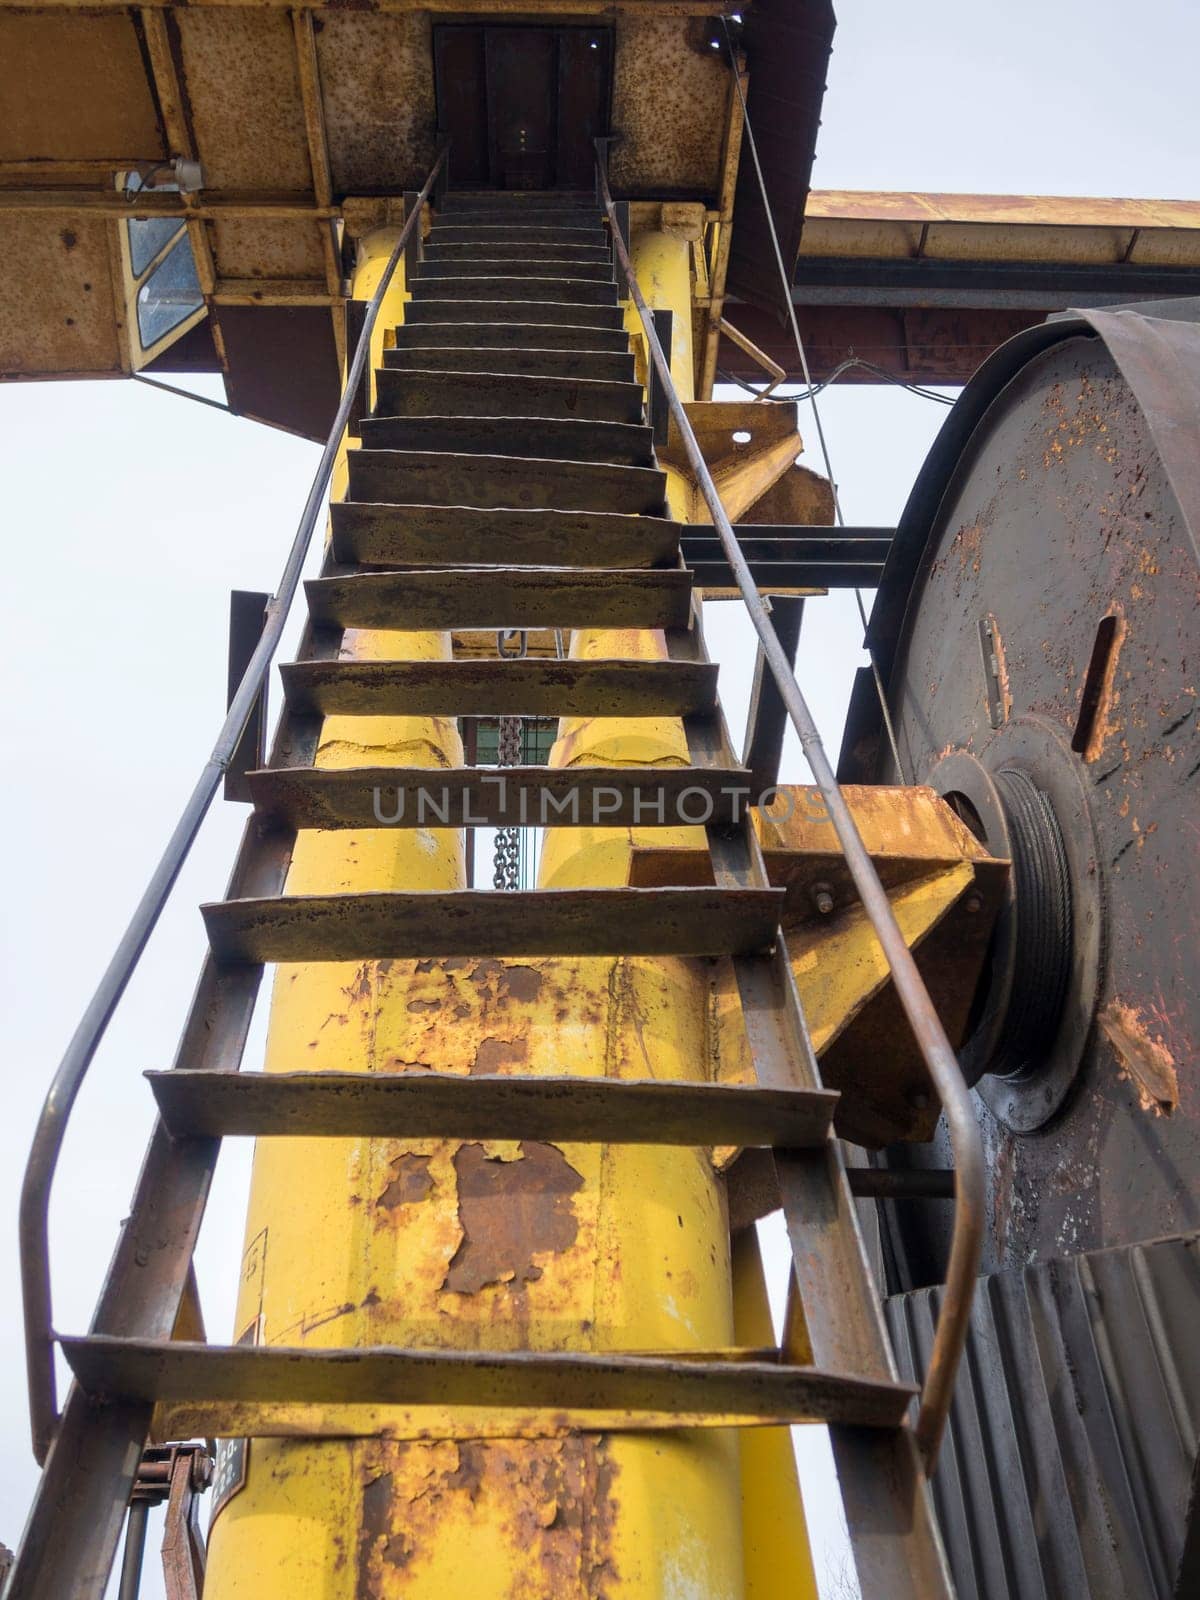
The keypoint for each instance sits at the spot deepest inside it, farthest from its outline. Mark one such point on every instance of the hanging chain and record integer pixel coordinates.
(511, 644)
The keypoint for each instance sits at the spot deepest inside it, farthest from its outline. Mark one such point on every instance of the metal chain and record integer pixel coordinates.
(511, 644)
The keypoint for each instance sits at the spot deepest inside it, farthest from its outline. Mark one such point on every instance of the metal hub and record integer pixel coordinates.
(1024, 799)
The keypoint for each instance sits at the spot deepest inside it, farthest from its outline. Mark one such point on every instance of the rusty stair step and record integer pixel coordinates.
(696, 1388)
(479, 688)
(513, 250)
(513, 288)
(561, 438)
(461, 382)
(544, 307)
(489, 482)
(384, 925)
(525, 268)
(440, 1105)
(516, 199)
(442, 536)
(526, 216)
(496, 231)
(502, 597)
(580, 365)
(510, 336)
(409, 797)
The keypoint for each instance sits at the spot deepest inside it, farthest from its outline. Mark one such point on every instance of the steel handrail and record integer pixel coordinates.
(966, 1247)
(34, 1234)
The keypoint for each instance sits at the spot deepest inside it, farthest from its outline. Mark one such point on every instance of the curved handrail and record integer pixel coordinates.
(34, 1232)
(967, 1243)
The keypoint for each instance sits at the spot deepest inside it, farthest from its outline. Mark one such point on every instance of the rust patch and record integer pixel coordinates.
(510, 1212)
(1147, 1060)
(496, 1055)
(411, 1182)
(546, 1506)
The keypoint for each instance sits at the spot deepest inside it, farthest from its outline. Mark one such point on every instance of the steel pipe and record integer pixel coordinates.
(967, 1243)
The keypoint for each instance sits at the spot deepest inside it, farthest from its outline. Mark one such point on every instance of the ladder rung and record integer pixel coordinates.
(428, 373)
(438, 1105)
(493, 597)
(525, 269)
(493, 797)
(440, 536)
(530, 687)
(700, 1386)
(489, 482)
(477, 922)
(512, 336)
(577, 438)
(470, 308)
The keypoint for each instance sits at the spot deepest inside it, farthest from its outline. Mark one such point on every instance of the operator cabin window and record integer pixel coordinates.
(166, 289)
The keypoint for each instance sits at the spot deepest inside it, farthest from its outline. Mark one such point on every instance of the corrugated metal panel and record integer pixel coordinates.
(787, 52)
(1069, 1470)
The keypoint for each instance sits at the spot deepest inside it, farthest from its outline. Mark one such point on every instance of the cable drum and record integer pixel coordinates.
(1042, 942)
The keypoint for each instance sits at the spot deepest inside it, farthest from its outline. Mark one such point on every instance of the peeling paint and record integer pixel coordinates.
(410, 1183)
(1147, 1060)
(510, 1212)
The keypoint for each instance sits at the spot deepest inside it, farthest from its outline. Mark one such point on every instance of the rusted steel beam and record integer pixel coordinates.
(708, 1387)
(451, 1106)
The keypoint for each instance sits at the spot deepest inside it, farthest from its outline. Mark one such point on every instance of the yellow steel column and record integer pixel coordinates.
(487, 1245)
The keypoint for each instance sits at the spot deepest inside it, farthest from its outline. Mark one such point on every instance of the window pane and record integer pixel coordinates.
(169, 294)
(147, 235)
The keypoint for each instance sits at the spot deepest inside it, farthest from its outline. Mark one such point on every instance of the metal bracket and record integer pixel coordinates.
(247, 618)
(178, 1474)
(658, 407)
(768, 718)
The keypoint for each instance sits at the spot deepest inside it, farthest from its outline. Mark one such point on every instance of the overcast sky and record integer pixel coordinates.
(129, 515)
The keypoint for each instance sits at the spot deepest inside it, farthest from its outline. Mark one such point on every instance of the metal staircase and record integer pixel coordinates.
(506, 479)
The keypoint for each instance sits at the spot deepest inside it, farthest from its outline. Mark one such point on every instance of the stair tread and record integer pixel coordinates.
(420, 535)
(572, 438)
(529, 687)
(439, 1105)
(495, 481)
(494, 597)
(705, 1385)
(510, 335)
(515, 267)
(471, 308)
(536, 364)
(346, 797)
(510, 287)
(380, 925)
(498, 231)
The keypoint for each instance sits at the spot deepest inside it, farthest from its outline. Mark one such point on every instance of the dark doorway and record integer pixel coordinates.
(522, 105)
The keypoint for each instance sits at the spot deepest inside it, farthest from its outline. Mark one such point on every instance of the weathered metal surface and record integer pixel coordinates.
(566, 438)
(470, 308)
(594, 688)
(671, 103)
(510, 336)
(513, 287)
(60, 314)
(1070, 1463)
(945, 892)
(482, 597)
(766, 719)
(1047, 507)
(488, 482)
(433, 1105)
(694, 1385)
(415, 536)
(391, 925)
(420, 380)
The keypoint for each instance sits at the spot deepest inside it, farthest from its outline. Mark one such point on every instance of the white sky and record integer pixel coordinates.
(129, 515)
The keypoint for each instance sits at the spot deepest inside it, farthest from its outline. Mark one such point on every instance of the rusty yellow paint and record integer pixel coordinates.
(748, 447)
(486, 1245)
